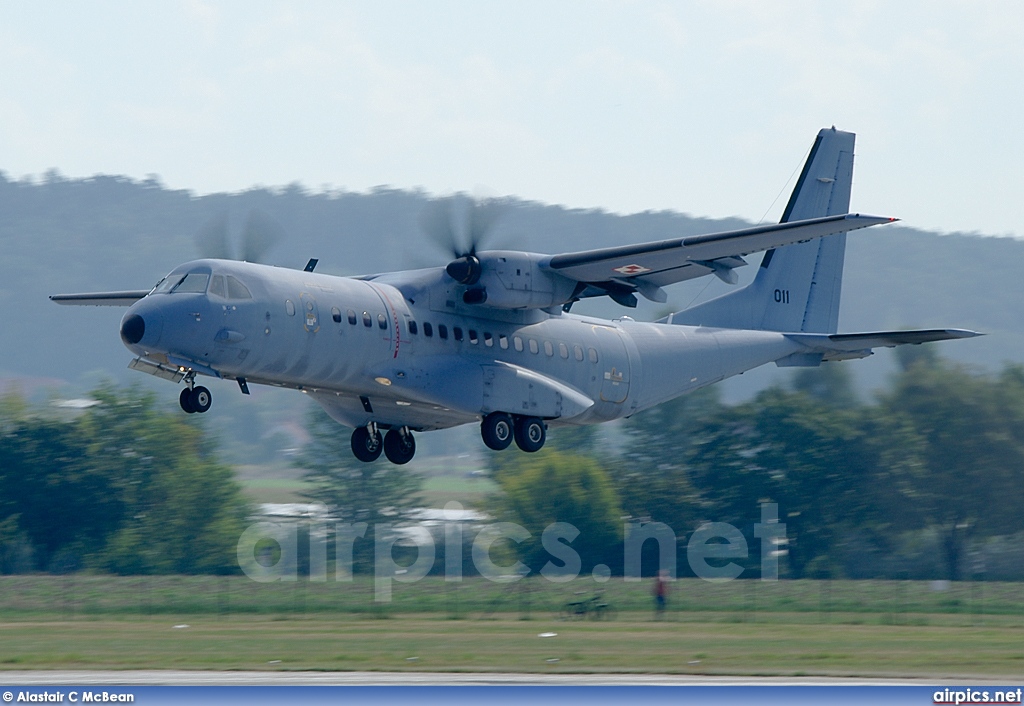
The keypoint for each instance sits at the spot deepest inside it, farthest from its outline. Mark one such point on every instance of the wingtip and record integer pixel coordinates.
(869, 217)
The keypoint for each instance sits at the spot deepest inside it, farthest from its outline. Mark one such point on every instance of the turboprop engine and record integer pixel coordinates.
(510, 280)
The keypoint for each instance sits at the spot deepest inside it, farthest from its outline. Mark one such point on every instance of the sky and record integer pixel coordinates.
(707, 108)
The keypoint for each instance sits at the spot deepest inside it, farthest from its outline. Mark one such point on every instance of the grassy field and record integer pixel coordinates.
(273, 485)
(744, 627)
(433, 644)
(47, 597)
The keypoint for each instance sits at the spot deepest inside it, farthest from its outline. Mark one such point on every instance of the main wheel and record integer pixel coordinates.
(200, 399)
(496, 429)
(530, 433)
(366, 446)
(185, 400)
(399, 447)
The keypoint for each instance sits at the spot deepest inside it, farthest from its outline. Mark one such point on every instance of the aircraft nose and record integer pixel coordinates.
(133, 328)
(141, 327)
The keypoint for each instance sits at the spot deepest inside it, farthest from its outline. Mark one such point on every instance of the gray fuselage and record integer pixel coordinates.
(369, 351)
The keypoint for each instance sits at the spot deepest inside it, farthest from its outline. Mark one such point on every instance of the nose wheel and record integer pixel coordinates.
(197, 399)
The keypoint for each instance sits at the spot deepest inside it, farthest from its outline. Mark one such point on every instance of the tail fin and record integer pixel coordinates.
(797, 287)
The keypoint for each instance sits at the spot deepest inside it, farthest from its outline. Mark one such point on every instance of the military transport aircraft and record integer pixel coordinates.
(490, 339)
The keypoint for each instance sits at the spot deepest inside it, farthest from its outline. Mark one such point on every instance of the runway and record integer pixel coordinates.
(157, 677)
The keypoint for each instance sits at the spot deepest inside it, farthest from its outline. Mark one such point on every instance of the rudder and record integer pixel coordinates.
(797, 287)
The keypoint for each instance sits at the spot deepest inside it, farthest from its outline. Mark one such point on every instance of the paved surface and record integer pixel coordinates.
(283, 678)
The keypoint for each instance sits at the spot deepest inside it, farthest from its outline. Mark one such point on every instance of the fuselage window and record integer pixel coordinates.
(217, 286)
(534, 348)
(593, 354)
(381, 321)
(428, 330)
(352, 317)
(473, 337)
(442, 331)
(503, 342)
(237, 290)
(336, 315)
(518, 343)
(289, 307)
(577, 351)
(457, 333)
(563, 350)
(367, 321)
(192, 283)
(412, 327)
(549, 350)
(488, 339)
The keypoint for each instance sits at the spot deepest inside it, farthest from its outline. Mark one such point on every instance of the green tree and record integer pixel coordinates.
(832, 471)
(830, 384)
(653, 473)
(972, 484)
(354, 491)
(551, 486)
(182, 510)
(125, 487)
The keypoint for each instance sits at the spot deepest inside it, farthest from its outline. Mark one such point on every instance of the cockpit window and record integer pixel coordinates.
(217, 286)
(167, 283)
(192, 283)
(237, 290)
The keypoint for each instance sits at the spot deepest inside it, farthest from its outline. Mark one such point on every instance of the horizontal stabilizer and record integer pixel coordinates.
(840, 346)
(100, 298)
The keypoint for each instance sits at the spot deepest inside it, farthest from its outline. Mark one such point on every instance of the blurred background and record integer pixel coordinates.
(136, 137)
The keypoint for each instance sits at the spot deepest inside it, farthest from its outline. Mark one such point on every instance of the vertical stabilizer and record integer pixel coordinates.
(797, 287)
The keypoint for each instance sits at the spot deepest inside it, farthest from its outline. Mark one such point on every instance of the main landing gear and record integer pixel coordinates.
(398, 444)
(195, 398)
(498, 429)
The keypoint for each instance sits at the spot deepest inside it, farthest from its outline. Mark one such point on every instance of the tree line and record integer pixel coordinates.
(926, 480)
(923, 480)
(123, 487)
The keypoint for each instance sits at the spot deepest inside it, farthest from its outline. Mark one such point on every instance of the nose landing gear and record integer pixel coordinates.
(194, 398)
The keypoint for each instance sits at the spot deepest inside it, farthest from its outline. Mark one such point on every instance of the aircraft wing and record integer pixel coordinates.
(648, 266)
(100, 298)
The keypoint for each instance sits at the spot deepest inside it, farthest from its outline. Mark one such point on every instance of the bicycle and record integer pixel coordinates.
(594, 607)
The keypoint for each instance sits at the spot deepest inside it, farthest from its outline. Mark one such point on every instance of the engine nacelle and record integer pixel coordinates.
(510, 280)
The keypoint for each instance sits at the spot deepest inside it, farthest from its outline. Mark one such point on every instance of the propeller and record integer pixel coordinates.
(459, 225)
(259, 234)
